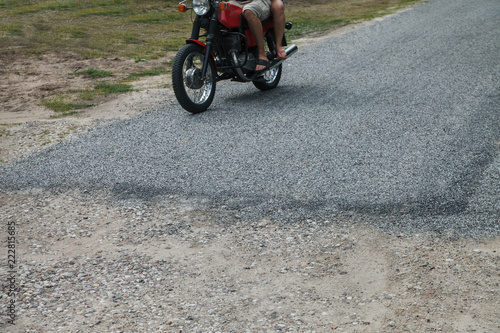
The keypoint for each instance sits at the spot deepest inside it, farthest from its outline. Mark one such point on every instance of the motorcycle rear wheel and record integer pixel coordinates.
(269, 80)
(194, 93)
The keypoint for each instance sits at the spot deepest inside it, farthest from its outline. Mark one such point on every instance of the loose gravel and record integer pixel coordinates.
(85, 265)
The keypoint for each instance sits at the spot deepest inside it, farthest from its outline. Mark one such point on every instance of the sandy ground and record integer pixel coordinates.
(314, 276)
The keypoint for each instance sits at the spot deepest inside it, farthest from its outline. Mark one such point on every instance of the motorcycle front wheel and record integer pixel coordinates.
(194, 93)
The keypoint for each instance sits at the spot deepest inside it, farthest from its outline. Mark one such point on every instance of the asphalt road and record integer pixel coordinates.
(394, 124)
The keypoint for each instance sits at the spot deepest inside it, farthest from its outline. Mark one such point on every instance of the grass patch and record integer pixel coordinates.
(93, 73)
(155, 18)
(113, 88)
(150, 72)
(43, 6)
(100, 89)
(60, 105)
(87, 94)
(65, 105)
(12, 29)
(98, 11)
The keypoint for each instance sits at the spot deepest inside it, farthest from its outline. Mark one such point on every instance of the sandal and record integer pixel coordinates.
(264, 63)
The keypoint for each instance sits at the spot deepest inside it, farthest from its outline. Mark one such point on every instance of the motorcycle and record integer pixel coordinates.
(228, 53)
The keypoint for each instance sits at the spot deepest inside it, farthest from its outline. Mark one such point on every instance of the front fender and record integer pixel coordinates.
(195, 41)
(200, 43)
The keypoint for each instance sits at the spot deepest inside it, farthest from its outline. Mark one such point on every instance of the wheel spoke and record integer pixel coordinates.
(191, 71)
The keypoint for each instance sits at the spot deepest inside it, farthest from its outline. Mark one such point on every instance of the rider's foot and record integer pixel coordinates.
(281, 54)
(262, 63)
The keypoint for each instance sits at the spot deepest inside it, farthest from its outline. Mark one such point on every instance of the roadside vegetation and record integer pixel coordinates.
(141, 30)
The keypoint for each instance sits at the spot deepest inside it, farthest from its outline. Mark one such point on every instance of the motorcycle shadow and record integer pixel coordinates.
(279, 99)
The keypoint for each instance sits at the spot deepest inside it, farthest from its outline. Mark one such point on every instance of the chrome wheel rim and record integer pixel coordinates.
(197, 89)
(270, 75)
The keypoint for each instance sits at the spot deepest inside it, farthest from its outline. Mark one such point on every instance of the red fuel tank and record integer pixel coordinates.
(230, 17)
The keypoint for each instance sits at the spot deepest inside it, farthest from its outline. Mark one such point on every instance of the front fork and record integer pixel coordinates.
(213, 27)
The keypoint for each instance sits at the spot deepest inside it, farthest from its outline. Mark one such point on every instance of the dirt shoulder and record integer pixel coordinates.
(27, 126)
(86, 265)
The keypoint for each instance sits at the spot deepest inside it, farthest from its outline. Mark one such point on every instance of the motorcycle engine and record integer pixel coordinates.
(250, 64)
(232, 43)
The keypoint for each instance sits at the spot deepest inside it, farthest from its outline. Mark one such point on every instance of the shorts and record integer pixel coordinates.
(261, 8)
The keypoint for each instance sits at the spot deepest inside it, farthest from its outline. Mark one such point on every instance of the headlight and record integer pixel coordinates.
(201, 7)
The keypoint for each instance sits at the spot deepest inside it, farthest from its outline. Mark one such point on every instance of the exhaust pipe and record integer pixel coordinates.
(289, 52)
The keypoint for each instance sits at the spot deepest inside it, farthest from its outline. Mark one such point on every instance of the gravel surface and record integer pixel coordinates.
(361, 195)
(87, 266)
(396, 118)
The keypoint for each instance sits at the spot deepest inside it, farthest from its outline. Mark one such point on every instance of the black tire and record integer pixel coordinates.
(193, 93)
(269, 80)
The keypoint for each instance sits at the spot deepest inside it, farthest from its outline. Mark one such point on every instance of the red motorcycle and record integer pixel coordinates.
(229, 52)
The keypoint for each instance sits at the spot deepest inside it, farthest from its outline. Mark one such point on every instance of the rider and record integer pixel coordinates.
(255, 12)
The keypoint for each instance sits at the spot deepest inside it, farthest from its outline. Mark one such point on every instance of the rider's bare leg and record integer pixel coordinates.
(256, 29)
(278, 11)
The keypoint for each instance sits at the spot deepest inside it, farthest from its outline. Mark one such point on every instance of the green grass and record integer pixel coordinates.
(92, 28)
(86, 94)
(65, 105)
(146, 28)
(112, 88)
(320, 16)
(93, 73)
(150, 72)
(12, 29)
(60, 104)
